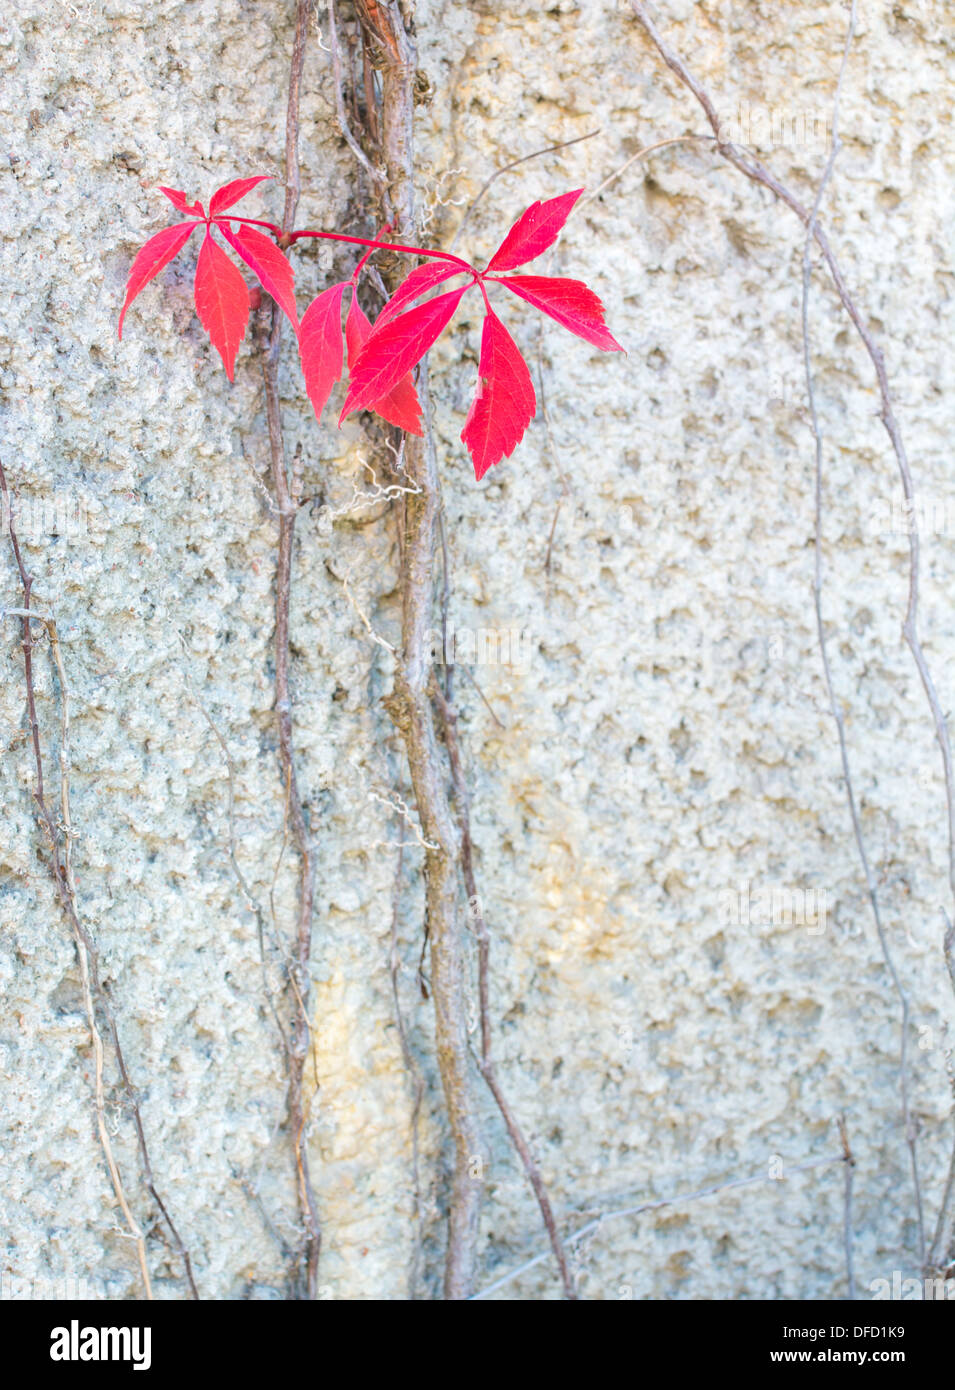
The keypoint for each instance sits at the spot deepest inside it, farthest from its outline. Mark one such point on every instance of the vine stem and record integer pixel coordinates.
(384, 246)
(476, 914)
(506, 169)
(603, 1218)
(410, 706)
(61, 871)
(288, 490)
(758, 173)
(289, 238)
(837, 716)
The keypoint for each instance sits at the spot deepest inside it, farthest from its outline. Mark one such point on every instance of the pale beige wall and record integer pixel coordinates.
(665, 738)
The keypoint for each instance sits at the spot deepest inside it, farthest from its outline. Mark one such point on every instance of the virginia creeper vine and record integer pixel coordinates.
(382, 359)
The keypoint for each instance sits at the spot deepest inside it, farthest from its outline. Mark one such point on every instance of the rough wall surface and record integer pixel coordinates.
(661, 741)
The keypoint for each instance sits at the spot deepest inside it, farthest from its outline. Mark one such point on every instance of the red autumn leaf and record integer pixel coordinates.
(391, 351)
(570, 302)
(533, 232)
(505, 402)
(158, 251)
(273, 269)
(421, 279)
(401, 406)
(181, 202)
(230, 193)
(222, 302)
(381, 356)
(320, 345)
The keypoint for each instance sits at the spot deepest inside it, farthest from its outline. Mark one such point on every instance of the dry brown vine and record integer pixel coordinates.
(387, 37)
(287, 488)
(58, 831)
(757, 172)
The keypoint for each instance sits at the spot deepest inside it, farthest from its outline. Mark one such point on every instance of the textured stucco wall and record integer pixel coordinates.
(663, 739)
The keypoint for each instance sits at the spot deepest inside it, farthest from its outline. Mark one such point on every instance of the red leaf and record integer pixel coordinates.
(230, 193)
(401, 406)
(505, 402)
(158, 251)
(421, 279)
(570, 302)
(320, 345)
(533, 232)
(390, 352)
(274, 270)
(222, 302)
(181, 202)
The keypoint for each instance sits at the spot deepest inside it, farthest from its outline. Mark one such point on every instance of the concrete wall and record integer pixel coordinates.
(663, 741)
